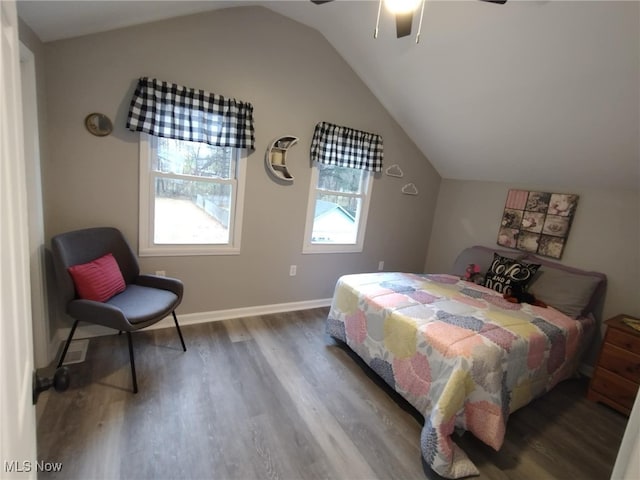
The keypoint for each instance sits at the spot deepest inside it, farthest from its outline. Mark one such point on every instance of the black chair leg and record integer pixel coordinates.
(175, 319)
(66, 345)
(133, 364)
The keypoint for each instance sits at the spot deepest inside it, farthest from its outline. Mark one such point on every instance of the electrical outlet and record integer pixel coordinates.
(381, 265)
(161, 273)
(293, 270)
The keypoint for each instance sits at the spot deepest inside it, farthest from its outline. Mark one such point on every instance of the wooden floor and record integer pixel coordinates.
(273, 397)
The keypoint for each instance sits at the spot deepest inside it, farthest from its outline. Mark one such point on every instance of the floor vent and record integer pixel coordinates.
(77, 351)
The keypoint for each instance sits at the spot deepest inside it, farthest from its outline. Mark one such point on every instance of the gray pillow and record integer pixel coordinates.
(568, 292)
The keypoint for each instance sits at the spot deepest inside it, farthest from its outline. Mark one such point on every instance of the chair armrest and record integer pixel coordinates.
(99, 313)
(163, 283)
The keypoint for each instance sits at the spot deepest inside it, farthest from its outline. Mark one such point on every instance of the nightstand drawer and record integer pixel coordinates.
(622, 362)
(623, 340)
(614, 387)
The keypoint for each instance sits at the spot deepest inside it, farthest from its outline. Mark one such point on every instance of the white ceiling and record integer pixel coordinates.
(536, 92)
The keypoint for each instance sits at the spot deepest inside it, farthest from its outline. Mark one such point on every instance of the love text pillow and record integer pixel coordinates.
(505, 272)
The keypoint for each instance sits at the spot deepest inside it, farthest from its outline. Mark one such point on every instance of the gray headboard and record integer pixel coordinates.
(482, 256)
(571, 290)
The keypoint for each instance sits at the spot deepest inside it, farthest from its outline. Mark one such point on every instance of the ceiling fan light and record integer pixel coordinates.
(402, 6)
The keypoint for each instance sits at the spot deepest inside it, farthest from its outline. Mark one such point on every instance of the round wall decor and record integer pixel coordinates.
(98, 124)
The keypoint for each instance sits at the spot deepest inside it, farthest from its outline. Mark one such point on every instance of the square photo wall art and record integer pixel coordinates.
(537, 222)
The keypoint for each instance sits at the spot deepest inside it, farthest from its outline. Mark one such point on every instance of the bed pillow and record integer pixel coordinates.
(99, 279)
(568, 292)
(505, 272)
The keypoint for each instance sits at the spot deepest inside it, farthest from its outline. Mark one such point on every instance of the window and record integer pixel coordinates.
(337, 210)
(344, 160)
(191, 197)
(192, 168)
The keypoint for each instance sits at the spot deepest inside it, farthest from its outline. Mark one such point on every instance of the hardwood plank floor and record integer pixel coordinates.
(273, 397)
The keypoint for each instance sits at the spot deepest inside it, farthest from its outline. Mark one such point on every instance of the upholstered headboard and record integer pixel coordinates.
(482, 256)
(571, 290)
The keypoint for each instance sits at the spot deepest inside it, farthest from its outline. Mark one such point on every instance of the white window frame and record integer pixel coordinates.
(361, 220)
(146, 245)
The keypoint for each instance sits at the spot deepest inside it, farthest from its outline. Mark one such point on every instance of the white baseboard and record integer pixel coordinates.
(88, 331)
(85, 330)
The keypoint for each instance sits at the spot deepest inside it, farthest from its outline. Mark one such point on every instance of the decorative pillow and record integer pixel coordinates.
(99, 279)
(505, 272)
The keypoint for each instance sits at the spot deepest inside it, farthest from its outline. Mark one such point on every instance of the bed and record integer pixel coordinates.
(459, 352)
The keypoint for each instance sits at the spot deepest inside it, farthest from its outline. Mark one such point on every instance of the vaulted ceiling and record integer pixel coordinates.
(537, 92)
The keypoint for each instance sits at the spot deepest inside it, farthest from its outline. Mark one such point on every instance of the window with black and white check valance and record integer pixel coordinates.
(346, 147)
(168, 110)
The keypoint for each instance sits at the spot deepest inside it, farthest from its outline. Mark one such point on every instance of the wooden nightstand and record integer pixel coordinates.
(616, 377)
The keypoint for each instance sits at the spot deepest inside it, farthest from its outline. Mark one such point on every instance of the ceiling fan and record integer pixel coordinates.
(403, 10)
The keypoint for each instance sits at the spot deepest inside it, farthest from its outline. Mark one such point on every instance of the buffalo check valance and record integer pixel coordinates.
(168, 110)
(346, 147)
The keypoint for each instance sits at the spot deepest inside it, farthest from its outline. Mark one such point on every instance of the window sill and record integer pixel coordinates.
(333, 248)
(186, 250)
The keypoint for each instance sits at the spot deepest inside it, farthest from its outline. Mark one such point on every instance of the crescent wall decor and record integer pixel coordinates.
(537, 222)
(98, 124)
(276, 157)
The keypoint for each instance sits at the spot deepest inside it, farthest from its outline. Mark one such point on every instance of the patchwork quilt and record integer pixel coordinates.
(458, 352)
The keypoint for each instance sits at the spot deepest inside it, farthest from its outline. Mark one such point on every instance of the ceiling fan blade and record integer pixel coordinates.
(403, 24)
(501, 2)
(320, 2)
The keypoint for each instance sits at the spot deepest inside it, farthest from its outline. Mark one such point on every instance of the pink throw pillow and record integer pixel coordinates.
(99, 279)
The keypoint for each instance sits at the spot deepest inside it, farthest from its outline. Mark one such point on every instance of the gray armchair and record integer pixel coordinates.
(146, 299)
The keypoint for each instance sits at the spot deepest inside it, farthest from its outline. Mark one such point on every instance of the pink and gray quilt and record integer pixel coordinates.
(458, 352)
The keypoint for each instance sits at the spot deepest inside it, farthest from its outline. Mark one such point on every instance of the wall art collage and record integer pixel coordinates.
(537, 222)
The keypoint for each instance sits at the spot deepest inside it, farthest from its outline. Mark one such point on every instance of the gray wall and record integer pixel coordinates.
(604, 236)
(294, 79)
